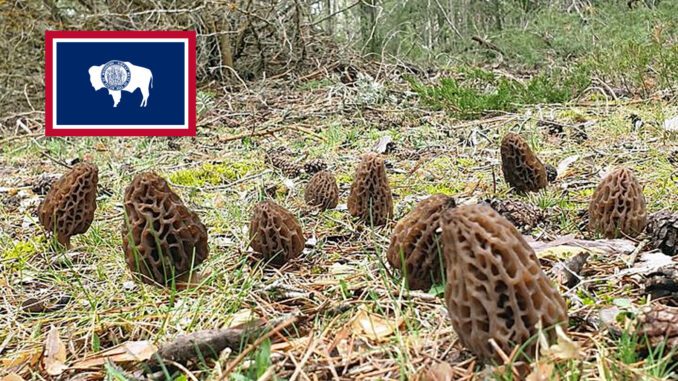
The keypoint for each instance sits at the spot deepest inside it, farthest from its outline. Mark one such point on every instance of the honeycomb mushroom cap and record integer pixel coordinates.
(162, 239)
(69, 206)
(618, 206)
(370, 198)
(322, 191)
(275, 233)
(495, 286)
(415, 243)
(521, 167)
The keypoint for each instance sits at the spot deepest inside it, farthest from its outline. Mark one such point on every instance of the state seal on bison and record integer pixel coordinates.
(118, 75)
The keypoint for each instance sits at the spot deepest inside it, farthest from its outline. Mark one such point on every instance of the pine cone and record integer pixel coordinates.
(673, 157)
(523, 216)
(315, 166)
(42, 184)
(662, 228)
(659, 323)
(280, 157)
(407, 154)
(579, 134)
(551, 173)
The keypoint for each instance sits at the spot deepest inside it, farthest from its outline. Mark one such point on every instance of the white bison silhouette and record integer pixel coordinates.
(140, 78)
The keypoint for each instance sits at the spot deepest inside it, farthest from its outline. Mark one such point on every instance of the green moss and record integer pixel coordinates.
(344, 178)
(214, 174)
(21, 252)
(446, 189)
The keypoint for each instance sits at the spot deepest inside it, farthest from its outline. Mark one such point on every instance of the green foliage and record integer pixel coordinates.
(17, 255)
(213, 174)
(482, 92)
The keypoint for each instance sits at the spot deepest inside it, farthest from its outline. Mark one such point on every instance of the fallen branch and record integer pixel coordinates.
(210, 343)
(487, 45)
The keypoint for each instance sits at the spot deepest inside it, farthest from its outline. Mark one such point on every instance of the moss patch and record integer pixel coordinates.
(214, 173)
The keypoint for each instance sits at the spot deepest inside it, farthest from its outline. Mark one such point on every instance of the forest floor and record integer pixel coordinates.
(353, 318)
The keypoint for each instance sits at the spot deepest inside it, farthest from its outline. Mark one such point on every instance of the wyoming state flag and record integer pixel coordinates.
(120, 83)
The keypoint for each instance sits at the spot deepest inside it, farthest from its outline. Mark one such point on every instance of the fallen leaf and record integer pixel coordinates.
(608, 316)
(54, 356)
(561, 252)
(372, 326)
(30, 358)
(542, 372)
(436, 372)
(671, 125)
(564, 348)
(12, 377)
(131, 351)
(565, 164)
(650, 261)
(383, 144)
(101, 147)
(608, 246)
(241, 317)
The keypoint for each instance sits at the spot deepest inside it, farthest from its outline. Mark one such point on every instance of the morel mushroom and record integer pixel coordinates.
(68, 209)
(162, 239)
(275, 233)
(495, 288)
(370, 198)
(521, 167)
(322, 191)
(618, 206)
(415, 243)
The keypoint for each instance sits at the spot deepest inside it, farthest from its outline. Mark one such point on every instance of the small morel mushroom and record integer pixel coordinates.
(618, 206)
(521, 167)
(496, 289)
(415, 243)
(68, 208)
(370, 198)
(275, 233)
(162, 239)
(662, 228)
(322, 191)
(314, 166)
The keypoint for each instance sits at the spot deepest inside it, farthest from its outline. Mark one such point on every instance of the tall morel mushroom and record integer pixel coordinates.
(370, 198)
(275, 233)
(521, 167)
(162, 239)
(322, 191)
(68, 208)
(415, 243)
(495, 288)
(618, 206)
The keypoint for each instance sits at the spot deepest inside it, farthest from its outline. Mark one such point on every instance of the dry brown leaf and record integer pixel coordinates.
(240, 317)
(12, 377)
(131, 351)
(30, 358)
(436, 372)
(564, 348)
(54, 356)
(372, 326)
(562, 252)
(542, 372)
